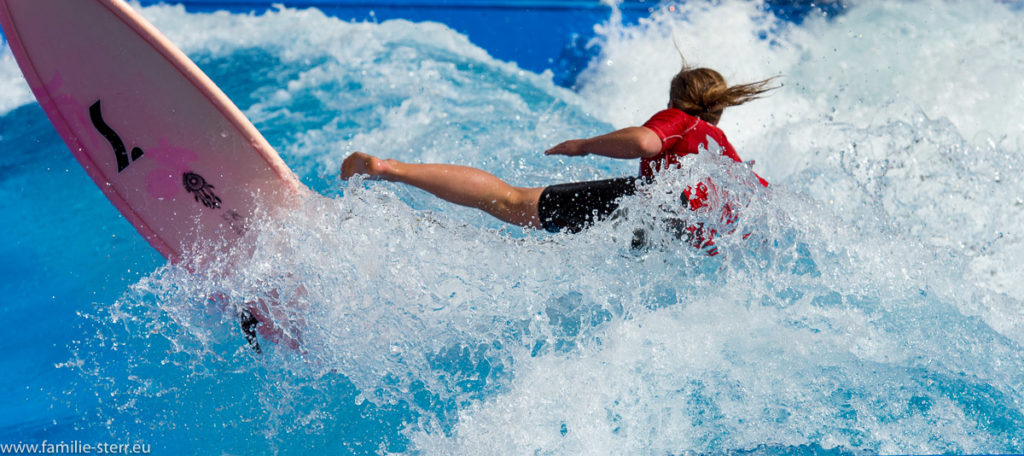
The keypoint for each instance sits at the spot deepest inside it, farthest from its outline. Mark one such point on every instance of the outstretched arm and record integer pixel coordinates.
(627, 143)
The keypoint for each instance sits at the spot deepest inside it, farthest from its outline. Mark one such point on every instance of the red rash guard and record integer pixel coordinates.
(682, 134)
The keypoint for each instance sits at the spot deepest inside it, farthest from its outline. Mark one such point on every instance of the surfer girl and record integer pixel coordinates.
(697, 98)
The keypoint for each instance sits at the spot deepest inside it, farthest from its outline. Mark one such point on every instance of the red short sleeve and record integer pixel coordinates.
(669, 125)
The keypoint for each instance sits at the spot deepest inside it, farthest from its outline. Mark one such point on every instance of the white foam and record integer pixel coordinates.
(679, 379)
(874, 62)
(14, 91)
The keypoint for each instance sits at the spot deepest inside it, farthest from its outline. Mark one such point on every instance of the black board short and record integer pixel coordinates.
(575, 206)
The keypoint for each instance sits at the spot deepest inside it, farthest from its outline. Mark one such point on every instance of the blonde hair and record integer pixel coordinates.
(702, 92)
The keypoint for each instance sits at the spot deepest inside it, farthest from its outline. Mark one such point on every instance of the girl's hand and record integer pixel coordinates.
(572, 148)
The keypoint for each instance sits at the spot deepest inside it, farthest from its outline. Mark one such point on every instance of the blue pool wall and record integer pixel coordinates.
(538, 35)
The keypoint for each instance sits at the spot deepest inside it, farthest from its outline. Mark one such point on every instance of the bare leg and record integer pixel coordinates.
(458, 184)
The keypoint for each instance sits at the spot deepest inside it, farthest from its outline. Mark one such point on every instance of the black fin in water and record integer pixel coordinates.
(249, 323)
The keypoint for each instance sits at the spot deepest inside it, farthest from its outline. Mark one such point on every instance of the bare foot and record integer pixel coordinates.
(361, 163)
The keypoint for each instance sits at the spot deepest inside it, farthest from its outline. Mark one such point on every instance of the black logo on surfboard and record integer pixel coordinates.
(120, 151)
(201, 190)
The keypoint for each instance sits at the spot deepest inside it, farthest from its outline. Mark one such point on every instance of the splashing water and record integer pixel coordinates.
(867, 301)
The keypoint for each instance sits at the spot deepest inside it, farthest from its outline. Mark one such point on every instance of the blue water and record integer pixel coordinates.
(875, 308)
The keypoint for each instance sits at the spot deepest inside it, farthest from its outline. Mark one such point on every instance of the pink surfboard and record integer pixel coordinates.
(163, 143)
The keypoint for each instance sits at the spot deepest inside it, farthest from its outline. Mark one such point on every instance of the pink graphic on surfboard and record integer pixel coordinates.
(165, 182)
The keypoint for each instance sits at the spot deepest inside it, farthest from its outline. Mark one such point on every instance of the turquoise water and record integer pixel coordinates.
(876, 307)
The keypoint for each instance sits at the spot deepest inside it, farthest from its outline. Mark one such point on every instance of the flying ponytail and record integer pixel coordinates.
(702, 92)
